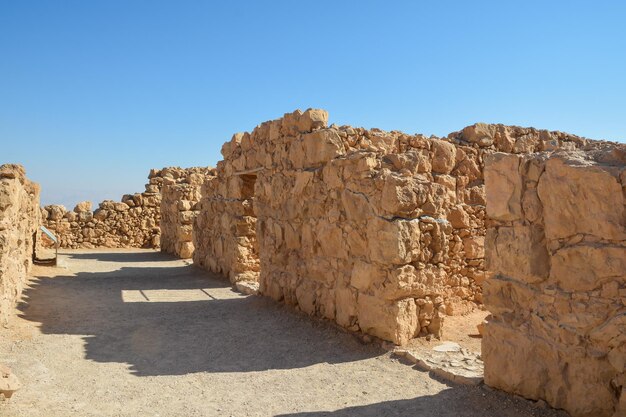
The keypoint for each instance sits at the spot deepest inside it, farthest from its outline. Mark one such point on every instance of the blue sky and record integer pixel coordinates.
(95, 93)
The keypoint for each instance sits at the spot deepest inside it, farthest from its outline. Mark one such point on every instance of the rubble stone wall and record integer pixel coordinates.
(382, 232)
(224, 230)
(132, 222)
(19, 224)
(179, 208)
(556, 255)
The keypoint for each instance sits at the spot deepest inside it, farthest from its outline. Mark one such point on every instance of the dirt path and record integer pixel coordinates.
(134, 333)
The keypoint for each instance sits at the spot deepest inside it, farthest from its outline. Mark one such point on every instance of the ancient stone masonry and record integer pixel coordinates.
(225, 229)
(556, 255)
(132, 222)
(382, 232)
(19, 223)
(179, 207)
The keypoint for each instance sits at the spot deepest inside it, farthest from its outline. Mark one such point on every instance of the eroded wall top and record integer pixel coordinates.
(131, 222)
(381, 231)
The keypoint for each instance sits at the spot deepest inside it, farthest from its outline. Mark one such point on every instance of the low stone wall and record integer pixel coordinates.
(132, 222)
(382, 232)
(179, 208)
(19, 223)
(556, 254)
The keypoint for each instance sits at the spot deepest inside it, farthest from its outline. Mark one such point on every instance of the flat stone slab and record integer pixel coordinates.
(448, 347)
(449, 361)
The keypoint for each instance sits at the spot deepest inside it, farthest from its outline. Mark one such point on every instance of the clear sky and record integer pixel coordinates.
(95, 93)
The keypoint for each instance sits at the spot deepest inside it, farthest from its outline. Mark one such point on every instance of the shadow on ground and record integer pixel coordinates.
(125, 257)
(452, 402)
(240, 334)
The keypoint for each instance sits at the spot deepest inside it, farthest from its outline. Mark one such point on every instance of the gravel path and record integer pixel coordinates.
(139, 333)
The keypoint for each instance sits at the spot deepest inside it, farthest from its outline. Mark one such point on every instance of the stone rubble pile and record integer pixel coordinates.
(179, 207)
(556, 255)
(382, 232)
(19, 225)
(131, 222)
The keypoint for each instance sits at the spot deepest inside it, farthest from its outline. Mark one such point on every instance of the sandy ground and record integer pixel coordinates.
(138, 333)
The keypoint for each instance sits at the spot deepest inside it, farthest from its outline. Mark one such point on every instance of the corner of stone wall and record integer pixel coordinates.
(556, 255)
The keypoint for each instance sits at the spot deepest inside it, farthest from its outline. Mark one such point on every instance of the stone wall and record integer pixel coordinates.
(19, 224)
(224, 231)
(382, 232)
(556, 253)
(179, 207)
(131, 222)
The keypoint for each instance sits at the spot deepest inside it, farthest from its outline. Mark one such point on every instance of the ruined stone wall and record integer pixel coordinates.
(556, 247)
(382, 232)
(132, 222)
(179, 208)
(19, 223)
(224, 231)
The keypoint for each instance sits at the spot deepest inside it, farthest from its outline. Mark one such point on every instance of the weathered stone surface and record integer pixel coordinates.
(179, 208)
(83, 206)
(132, 222)
(20, 217)
(518, 252)
(395, 321)
(448, 361)
(558, 326)
(581, 198)
(504, 182)
(359, 225)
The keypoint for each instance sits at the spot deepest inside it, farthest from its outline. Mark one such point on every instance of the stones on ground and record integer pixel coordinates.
(9, 383)
(448, 347)
(448, 360)
(247, 287)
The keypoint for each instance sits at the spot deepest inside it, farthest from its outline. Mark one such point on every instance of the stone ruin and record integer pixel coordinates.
(556, 255)
(19, 224)
(180, 196)
(382, 232)
(386, 233)
(132, 222)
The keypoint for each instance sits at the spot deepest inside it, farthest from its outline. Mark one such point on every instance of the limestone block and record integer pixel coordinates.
(581, 197)
(444, 156)
(312, 119)
(518, 252)
(365, 274)
(458, 218)
(504, 182)
(321, 146)
(395, 321)
(185, 250)
(83, 206)
(474, 247)
(533, 368)
(393, 242)
(480, 133)
(588, 267)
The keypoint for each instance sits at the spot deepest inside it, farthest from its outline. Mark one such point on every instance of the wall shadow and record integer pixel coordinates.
(459, 401)
(240, 334)
(126, 257)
